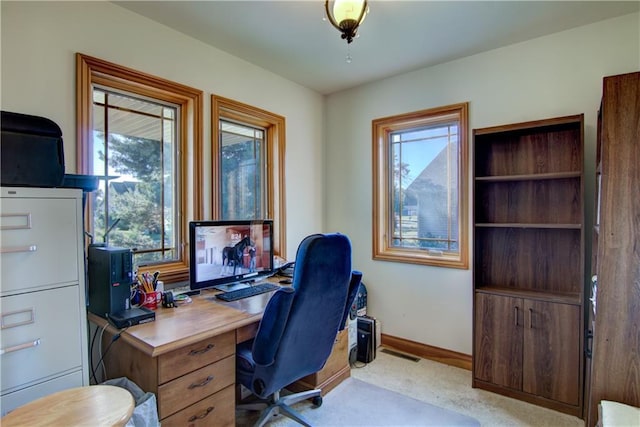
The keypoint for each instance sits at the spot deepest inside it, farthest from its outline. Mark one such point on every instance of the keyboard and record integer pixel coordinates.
(237, 294)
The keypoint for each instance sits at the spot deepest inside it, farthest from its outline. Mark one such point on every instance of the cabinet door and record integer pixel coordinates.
(552, 351)
(498, 340)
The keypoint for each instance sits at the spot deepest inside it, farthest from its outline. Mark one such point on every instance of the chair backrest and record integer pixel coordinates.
(299, 326)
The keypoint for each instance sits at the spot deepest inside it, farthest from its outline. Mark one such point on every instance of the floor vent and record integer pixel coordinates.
(402, 355)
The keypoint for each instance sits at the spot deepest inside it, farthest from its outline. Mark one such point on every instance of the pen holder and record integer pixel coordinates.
(151, 300)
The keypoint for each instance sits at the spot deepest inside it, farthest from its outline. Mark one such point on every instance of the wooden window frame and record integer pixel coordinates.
(275, 128)
(93, 71)
(383, 187)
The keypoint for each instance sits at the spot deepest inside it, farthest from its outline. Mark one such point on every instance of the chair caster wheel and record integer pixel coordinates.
(317, 401)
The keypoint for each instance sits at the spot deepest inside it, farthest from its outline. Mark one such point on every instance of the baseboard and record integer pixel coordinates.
(574, 410)
(424, 351)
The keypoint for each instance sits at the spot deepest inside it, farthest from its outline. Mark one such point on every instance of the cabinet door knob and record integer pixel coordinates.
(202, 351)
(23, 346)
(530, 318)
(17, 249)
(202, 384)
(201, 416)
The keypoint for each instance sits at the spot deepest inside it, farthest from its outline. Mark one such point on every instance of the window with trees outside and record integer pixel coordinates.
(134, 131)
(248, 146)
(420, 168)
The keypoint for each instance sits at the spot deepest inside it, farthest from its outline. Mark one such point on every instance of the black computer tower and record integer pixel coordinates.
(366, 339)
(110, 275)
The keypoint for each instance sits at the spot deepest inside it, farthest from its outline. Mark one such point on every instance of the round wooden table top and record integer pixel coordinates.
(96, 405)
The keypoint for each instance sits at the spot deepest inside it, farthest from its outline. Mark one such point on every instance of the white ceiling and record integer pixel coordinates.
(291, 39)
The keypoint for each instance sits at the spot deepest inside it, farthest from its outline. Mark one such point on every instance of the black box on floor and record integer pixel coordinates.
(366, 339)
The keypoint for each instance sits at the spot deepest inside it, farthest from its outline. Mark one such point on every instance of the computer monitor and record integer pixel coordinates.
(225, 253)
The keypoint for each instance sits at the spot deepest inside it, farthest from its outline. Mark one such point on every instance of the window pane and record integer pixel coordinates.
(425, 187)
(139, 183)
(242, 171)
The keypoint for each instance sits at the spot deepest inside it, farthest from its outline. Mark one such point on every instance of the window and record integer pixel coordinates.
(420, 195)
(248, 146)
(242, 171)
(134, 131)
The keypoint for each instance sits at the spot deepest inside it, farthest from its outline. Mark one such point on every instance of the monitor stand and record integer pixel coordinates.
(231, 286)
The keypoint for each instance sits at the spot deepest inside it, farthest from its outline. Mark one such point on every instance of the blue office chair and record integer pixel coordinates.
(299, 327)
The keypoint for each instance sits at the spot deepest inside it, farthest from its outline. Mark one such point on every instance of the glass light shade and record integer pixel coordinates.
(348, 10)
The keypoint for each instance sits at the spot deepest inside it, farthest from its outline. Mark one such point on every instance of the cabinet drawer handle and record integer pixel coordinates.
(515, 314)
(204, 350)
(15, 249)
(23, 346)
(18, 318)
(25, 226)
(589, 340)
(202, 384)
(530, 318)
(203, 415)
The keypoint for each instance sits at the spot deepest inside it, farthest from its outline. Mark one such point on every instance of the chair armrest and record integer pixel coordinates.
(354, 284)
(274, 319)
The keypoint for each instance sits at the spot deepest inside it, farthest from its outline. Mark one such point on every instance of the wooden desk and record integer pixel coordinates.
(187, 357)
(98, 405)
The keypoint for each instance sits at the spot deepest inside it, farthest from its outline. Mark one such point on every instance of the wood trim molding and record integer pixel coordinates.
(90, 71)
(382, 164)
(275, 126)
(425, 351)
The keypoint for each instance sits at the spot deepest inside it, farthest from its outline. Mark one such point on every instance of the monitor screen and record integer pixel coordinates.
(223, 253)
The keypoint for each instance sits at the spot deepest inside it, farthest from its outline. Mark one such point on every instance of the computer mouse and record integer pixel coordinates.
(285, 281)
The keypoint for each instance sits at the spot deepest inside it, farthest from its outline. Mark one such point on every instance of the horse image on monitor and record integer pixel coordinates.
(232, 255)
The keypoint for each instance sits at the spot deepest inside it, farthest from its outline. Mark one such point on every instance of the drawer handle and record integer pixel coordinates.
(30, 344)
(18, 318)
(203, 415)
(16, 249)
(204, 350)
(203, 383)
(27, 222)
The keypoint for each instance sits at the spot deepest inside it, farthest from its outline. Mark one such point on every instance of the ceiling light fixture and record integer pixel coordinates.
(347, 16)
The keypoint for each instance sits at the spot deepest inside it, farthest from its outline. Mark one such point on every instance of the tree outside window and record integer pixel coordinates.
(135, 156)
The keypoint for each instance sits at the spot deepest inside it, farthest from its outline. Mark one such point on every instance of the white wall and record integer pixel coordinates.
(39, 42)
(552, 76)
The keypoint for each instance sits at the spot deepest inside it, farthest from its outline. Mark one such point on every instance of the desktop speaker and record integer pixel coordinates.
(110, 275)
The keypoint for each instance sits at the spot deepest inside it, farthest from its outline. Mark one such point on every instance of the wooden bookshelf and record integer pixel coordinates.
(528, 261)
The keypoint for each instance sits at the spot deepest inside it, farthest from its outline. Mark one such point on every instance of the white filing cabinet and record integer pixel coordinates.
(43, 331)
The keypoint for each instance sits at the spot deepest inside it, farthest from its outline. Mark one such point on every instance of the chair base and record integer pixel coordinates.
(275, 406)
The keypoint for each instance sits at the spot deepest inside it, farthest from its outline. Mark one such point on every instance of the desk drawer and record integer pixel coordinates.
(39, 242)
(40, 336)
(216, 410)
(191, 388)
(189, 358)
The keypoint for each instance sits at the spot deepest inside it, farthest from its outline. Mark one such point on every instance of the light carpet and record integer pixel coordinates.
(444, 386)
(357, 403)
(450, 388)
